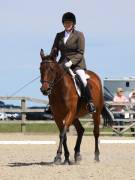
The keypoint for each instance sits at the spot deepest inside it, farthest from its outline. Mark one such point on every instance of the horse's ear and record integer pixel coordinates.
(54, 53)
(42, 54)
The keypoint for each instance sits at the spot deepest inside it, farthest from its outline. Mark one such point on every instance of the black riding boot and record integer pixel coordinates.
(90, 105)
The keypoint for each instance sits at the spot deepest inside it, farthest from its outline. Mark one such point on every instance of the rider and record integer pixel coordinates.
(71, 44)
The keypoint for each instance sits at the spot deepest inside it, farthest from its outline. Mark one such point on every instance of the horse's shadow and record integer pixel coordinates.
(20, 164)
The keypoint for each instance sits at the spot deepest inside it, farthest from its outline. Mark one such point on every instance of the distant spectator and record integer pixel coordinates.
(120, 98)
(132, 100)
(132, 96)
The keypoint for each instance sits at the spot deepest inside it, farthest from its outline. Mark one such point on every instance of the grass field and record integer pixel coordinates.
(47, 128)
(51, 128)
(44, 128)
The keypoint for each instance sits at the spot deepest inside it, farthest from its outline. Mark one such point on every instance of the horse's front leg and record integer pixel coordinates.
(68, 120)
(57, 159)
(96, 118)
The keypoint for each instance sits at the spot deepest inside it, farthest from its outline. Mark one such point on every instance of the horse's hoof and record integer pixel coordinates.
(67, 162)
(57, 160)
(96, 159)
(77, 157)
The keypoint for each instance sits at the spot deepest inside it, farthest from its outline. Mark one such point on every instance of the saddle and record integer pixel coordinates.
(78, 83)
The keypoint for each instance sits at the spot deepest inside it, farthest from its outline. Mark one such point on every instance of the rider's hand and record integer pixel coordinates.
(68, 64)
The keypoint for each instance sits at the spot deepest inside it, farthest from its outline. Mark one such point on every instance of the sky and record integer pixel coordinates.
(26, 26)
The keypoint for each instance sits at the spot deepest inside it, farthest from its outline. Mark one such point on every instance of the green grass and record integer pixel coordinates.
(10, 128)
(102, 129)
(46, 128)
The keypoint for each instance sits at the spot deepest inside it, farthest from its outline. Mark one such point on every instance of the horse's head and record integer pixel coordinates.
(48, 73)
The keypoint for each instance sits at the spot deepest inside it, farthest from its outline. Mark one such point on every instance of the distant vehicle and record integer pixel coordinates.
(48, 109)
(11, 106)
(13, 116)
(18, 116)
(38, 116)
(46, 115)
(8, 115)
(2, 104)
(3, 116)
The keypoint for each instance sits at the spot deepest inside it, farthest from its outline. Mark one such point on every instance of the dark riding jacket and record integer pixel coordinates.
(72, 50)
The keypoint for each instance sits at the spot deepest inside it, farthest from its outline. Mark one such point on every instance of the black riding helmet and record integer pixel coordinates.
(69, 17)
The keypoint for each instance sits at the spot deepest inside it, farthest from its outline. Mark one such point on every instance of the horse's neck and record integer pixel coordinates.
(61, 82)
(62, 77)
(59, 71)
(61, 74)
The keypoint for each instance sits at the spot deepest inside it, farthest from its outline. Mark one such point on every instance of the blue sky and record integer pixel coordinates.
(28, 25)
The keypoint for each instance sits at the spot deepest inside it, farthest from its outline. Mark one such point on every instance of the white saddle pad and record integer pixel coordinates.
(76, 86)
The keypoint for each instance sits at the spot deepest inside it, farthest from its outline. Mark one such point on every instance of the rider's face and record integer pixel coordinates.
(68, 25)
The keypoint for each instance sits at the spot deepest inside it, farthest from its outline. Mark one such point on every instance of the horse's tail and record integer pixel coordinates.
(107, 116)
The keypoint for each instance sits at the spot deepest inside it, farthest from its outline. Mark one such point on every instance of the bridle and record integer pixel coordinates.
(53, 82)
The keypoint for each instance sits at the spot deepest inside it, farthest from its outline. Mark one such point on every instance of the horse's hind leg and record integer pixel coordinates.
(66, 152)
(96, 118)
(80, 131)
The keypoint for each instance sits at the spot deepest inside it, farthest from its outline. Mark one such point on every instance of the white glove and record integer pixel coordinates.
(68, 64)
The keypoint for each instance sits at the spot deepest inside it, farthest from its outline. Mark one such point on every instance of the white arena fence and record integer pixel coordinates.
(123, 125)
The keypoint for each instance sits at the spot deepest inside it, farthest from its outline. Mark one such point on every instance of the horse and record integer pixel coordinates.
(68, 107)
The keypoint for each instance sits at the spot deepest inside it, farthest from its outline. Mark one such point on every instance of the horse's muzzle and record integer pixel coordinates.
(45, 92)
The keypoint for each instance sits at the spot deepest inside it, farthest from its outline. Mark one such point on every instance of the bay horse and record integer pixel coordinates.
(68, 107)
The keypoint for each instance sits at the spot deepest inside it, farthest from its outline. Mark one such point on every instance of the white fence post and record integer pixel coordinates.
(23, 106)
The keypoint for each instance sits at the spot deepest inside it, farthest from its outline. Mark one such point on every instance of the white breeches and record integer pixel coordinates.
(82, 75)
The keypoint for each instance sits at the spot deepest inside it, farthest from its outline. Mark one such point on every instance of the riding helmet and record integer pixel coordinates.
(68, 16)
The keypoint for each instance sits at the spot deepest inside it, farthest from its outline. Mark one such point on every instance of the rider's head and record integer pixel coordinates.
(69, 21)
